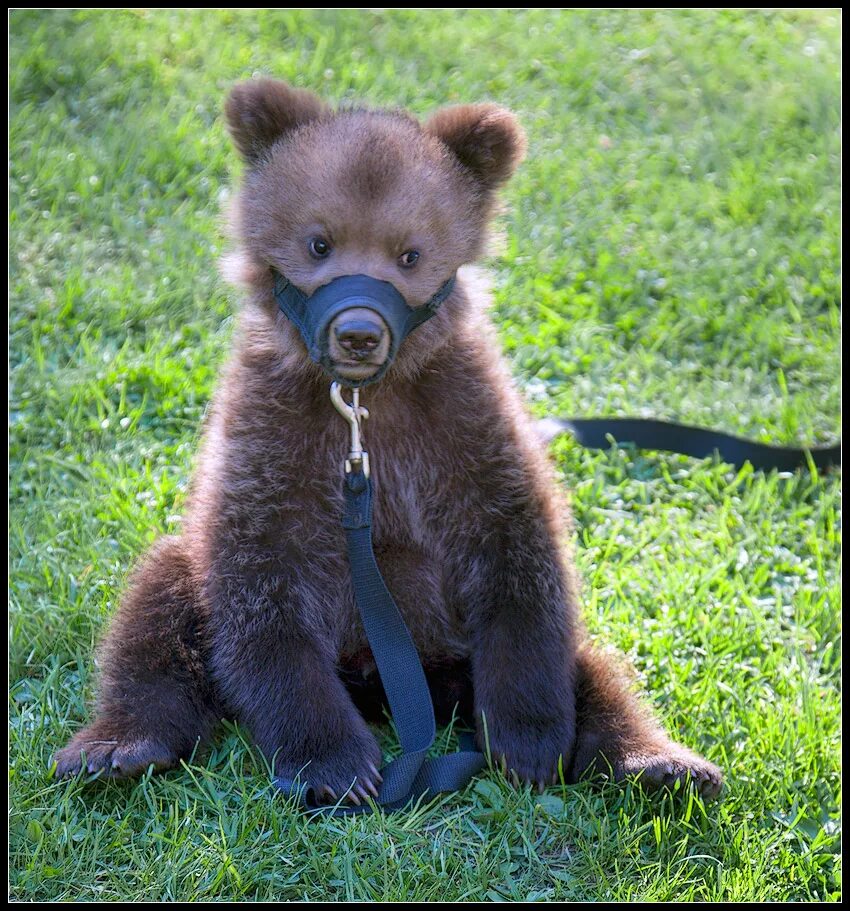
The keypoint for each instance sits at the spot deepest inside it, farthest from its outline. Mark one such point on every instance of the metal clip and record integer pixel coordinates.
(354, 413)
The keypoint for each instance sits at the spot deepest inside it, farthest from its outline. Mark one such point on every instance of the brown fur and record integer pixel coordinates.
(251, 613)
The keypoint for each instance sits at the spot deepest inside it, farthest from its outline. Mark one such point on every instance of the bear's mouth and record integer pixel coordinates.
(354, 369)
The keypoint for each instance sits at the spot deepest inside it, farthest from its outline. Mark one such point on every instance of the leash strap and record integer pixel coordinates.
(699, 442)
(411, 775)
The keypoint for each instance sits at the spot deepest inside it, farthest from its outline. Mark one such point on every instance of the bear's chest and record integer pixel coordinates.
(411, 507)
(413, 488)
(403, 507)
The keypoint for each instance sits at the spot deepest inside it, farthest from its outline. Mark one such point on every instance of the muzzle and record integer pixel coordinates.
(313, 314)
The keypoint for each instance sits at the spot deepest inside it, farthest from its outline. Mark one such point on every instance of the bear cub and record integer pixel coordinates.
(249, 613)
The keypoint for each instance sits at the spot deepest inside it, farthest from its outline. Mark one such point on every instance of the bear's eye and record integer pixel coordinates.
(408, 258)
(319, 248)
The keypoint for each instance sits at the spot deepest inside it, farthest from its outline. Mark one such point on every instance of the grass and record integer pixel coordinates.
(670, 248)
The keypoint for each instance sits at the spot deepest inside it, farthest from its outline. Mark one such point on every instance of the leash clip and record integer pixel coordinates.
(358, 458)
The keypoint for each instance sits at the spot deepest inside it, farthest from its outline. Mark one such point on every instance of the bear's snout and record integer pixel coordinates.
(359, 343)
(359, 336)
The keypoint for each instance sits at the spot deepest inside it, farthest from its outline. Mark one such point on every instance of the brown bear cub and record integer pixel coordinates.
(250, 613)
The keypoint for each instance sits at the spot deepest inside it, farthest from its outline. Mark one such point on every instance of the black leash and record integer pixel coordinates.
(596, 433)
(412, 775)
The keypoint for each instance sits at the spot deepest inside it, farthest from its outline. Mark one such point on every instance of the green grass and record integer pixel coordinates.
(670, 248)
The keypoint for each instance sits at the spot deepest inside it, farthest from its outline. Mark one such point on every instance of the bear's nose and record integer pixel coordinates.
(359, 335)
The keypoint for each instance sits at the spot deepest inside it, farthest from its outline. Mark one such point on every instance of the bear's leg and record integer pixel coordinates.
(274, 660)
(521, 611)
(617, 734)
(155, 701)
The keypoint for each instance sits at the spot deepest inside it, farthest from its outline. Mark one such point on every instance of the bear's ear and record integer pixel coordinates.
(487, 139)
(260, 111)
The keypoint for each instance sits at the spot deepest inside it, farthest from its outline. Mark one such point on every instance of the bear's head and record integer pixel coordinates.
(361, 192)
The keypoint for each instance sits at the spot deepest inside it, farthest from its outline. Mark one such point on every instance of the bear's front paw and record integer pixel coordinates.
(533, 754)
(349, 772)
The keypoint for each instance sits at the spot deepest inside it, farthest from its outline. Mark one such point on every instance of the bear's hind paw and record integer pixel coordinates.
(119, 758)
(663, 769)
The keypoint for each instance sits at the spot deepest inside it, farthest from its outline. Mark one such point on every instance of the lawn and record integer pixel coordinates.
(669, 248)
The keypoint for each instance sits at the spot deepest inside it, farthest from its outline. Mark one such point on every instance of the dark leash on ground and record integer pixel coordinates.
(699, 442)
(412, 775)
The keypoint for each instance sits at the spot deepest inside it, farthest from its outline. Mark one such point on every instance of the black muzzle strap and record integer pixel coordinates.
(313, 314)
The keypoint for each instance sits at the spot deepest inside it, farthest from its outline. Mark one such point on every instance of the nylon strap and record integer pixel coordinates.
(699, 442)
(411, 775)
